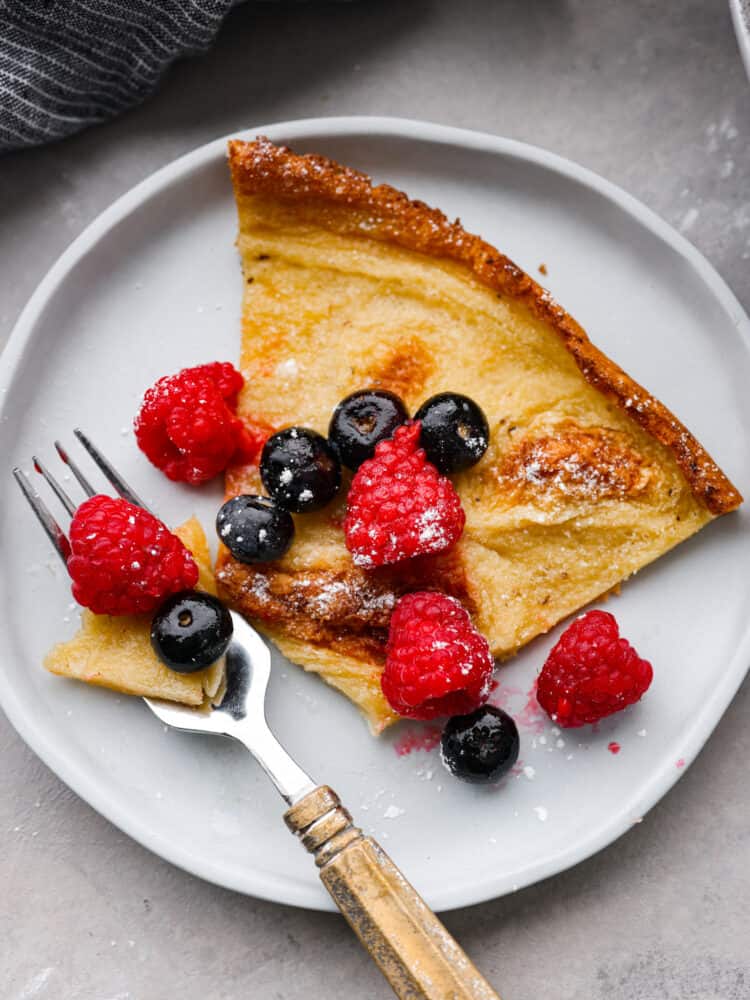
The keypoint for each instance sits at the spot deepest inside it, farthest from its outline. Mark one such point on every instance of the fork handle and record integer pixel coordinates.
(413, 950)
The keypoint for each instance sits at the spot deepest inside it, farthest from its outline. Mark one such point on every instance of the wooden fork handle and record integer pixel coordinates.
(413, 950)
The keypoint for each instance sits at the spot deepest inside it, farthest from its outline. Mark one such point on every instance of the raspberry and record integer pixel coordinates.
(225, 377)
(591, 672)
(187, 425)
(123, 560)
(437, 663)
(399, 505)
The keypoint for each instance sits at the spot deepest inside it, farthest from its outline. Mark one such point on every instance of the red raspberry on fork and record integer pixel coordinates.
(399, 505)
(437, 663)
(124, 560)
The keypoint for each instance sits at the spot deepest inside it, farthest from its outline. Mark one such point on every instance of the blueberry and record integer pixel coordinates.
(300, 469)
(480, 747)
(190, 631)
(455, 432)
(363, 419)
(254, 529)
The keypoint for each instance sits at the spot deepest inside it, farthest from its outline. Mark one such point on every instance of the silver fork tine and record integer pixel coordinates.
(54, 532)
(88, 489)
(109, 471)
(56, 488)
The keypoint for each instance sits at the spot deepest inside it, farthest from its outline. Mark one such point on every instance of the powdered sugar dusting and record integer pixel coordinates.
(689, 219)
(431, 530)
(260, 587)
(287, 369)
(334, 601)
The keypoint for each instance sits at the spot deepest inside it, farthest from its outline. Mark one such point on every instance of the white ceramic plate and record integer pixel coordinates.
(741, 18)
(153, 285)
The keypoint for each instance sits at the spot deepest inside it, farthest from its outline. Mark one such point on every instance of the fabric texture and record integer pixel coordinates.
(66, 64)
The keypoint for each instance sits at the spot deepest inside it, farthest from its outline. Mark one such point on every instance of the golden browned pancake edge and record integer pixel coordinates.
(321, 610)
(319, 184)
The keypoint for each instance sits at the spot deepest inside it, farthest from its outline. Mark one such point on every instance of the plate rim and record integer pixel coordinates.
(259, 882)
(741, 20)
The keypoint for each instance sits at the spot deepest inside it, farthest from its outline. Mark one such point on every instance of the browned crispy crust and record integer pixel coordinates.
(346, 610)
(343, 199)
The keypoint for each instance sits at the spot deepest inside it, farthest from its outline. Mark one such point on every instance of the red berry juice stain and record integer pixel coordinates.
(426, 739)
(532, 716)
(503, 696)
(614, 747)
(680, 762)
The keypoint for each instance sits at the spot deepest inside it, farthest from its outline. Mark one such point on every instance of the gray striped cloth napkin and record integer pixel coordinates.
(66, 64)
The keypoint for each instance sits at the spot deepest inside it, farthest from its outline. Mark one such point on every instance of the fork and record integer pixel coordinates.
(413, 950)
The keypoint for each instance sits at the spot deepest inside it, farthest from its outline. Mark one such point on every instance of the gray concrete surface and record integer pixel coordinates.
(653, 96)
